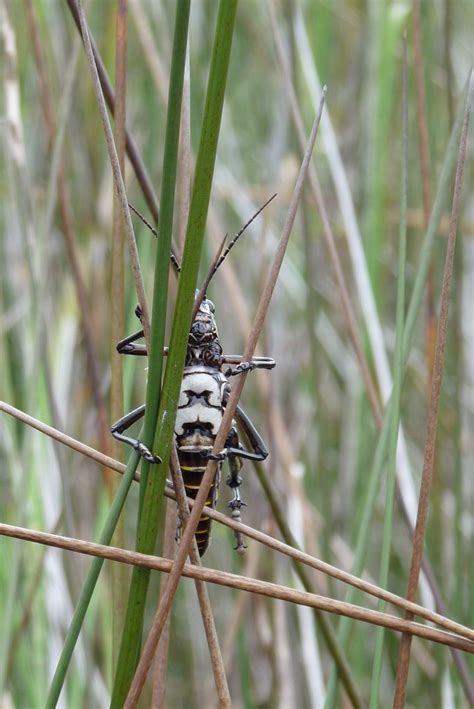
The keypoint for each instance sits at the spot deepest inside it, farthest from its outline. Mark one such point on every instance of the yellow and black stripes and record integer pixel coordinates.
(192, 470)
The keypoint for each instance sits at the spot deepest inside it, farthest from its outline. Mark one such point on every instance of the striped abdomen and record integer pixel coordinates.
(197, 422)
(192, 470)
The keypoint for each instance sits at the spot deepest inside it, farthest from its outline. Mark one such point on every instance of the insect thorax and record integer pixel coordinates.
(200, 406)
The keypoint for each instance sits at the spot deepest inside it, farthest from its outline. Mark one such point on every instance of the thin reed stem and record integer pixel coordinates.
(432, 422)
(152, 486)
(397, 389)
(425, 172)
(215, 654)
(289, 549)
(242, 583)
(117, 310)
(117, 173)
(132, 150)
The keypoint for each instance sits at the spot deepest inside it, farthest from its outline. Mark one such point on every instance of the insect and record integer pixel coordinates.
(204, 394)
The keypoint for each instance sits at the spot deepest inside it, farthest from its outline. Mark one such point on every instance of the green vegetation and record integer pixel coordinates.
(332, 447)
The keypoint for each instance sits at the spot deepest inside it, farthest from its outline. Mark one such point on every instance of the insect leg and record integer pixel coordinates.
(254, 363)
(125, 422)
(254, 437)
(259, 452)
(235, 452)
(234, 481)
(128, 346)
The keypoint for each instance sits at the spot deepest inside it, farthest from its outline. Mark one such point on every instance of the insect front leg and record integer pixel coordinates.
(254, 363)
(128, 345)
(125, 422)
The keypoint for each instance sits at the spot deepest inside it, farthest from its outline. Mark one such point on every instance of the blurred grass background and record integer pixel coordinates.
(320, 460)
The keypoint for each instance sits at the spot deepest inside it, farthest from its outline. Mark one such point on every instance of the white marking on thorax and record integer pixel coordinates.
(198, 414)
(196, 382)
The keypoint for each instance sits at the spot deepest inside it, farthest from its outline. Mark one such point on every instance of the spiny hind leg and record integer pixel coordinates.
(234, 481)
(232, 450)
(259, 452)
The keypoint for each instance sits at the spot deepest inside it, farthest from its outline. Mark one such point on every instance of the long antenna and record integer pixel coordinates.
(173, 258)
(238, 235)
(202, 291)
(217, 262)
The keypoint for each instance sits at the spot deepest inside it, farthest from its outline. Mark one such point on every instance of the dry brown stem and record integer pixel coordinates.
(64, 201)
(432, 423)
(132, 151)
(261, 537)
(242, 583)
(118, 178)
(201, 590)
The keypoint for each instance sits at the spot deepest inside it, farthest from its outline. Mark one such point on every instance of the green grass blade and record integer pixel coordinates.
(119, 575)
(154, 484)
(165, 227)
(90, 583)
(398, 374)
(390, 27)
(133, 624)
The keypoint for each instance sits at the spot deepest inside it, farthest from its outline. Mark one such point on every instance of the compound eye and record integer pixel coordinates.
(198, 329)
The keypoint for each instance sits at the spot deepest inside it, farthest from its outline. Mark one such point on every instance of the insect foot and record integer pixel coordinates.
(214, 456)
(128, 348)
(146, 453)
(235, 505)
(244, 367)
(240, 546)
